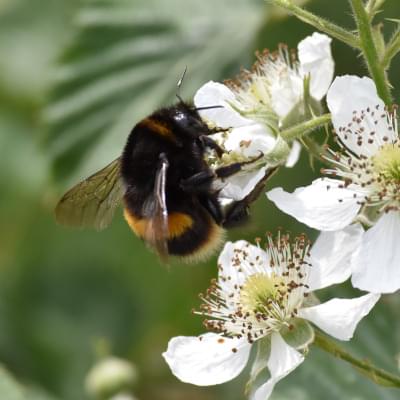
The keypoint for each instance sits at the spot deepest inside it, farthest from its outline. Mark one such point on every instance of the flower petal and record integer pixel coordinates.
(244, 143)
(331, 255)
(340, 317)
(316, 59)
(234, 264)
(286, 90)
(240, 185)
(250, 140)
(323, 205)
(349, 94)
(282, 360)
(376, 266)
(214, 94)
(294, 154)
(205, 360)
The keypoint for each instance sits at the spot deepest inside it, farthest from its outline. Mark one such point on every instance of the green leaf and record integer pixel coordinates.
(10, 389)
(300, 334)
(125, 61)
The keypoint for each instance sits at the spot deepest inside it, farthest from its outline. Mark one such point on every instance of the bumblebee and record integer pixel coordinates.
(165, 185)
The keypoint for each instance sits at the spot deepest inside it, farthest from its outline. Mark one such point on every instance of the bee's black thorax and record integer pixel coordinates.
(172, 131)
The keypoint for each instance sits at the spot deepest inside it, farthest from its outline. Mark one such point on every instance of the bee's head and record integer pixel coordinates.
(188, 121)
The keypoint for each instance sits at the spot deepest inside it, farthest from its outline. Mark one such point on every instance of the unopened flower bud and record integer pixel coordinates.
(109, 377)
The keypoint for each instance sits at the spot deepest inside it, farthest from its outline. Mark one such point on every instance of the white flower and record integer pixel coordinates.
(263, 295)
(366, 184)
(109, 377)
(123, 396)
(257, 102)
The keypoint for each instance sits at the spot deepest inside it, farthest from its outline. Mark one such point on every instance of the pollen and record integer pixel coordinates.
(374, 170)
(270, 287)
(259, 89)
(256, 90)
(386, 162)
(260, 291)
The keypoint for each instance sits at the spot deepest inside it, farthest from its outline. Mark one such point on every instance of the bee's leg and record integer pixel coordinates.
(232, 169)
(218, 129)
(201, 182)
(236, 214)
(211, 204)
(207, 142)
(238, 211)
(198, 183)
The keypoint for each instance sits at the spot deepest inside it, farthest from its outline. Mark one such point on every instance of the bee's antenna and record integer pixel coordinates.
(179, 84)
(208, 107)
(178, 95)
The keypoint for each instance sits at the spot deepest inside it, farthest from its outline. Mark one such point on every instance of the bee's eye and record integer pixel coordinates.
(179, 116)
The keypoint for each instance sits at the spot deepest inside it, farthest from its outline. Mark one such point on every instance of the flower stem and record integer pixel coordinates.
(377, 375)
(315, 150)
(372, 7)
(321, 24)
(392, 48)
(299, 130)
(369, 50)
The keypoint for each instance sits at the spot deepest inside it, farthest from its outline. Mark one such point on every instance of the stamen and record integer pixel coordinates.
(272, 289)
(254, 97)
(375, 173)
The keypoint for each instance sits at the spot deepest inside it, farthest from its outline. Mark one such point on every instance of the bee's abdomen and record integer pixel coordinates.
(178, 224)
(199, 240)
(191, 235)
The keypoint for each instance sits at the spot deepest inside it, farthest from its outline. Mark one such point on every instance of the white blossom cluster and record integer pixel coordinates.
(363, 184)
(257, 103)
(265, 295)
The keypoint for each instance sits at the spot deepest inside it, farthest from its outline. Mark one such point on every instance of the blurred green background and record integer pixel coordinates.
(75, 76)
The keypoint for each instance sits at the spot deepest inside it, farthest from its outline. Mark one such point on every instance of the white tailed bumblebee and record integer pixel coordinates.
(166, 187)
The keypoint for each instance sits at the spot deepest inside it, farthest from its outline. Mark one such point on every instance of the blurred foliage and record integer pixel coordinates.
(10, 389)
(74, 78)
(126, 59)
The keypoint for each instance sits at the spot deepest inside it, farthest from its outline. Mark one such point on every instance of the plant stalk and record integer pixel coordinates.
(321, 24)
(299, 130)
(369, 50)
(316, 150)
(377, 375)
(392, 48)
(372, 7)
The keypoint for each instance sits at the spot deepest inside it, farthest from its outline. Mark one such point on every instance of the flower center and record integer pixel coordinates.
(259, 90)
(386, 162)
(261, 293)
(374, 175)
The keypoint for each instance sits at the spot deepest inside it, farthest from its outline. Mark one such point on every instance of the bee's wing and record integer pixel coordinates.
(92, 202)
(157, 228)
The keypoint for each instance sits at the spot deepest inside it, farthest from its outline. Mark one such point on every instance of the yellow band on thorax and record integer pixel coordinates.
(157, 127)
